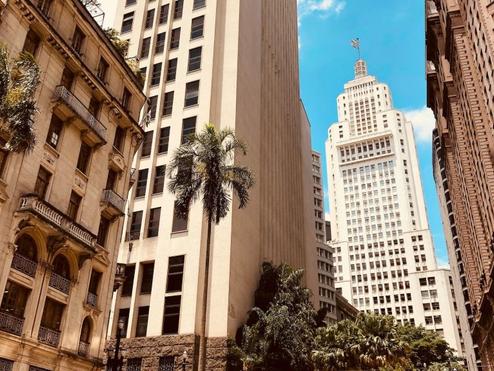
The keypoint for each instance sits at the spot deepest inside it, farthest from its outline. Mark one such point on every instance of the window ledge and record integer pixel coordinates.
(179, 233)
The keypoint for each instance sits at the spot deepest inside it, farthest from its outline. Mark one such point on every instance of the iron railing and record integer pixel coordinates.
(92, 299)
(48, 336)
(83, 348)
(22, 264)
(59, 283)
(10, 323)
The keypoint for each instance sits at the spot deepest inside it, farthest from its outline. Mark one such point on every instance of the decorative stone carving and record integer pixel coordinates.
(80, 182)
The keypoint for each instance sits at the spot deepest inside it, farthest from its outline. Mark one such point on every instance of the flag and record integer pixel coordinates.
(356, 43)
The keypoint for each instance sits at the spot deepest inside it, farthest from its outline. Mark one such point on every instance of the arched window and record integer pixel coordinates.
(27, 248)
(85, 338)
(61, 266)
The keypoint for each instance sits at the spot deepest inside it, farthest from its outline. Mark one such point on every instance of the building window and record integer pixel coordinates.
(188, 129)
(197, 29)
(194, 59)
(164, 138)
(171, 316)
(53, 137)
(159, 179)
(67, 78)
(172, 69)
(123, 317)
(153, 105)
(102, 69)
(178, 9)
(160, 43)
(44, 6)
(93, 286)
(143, 72)
(128, 20)
(135, 226)
(168, 104)
(175, 273)
(179, 224)
(104, 227)
(129, 280)
(111, 180)
(74, 203)
(175, 39)
(142, 321)
(149, 19)
(147, 278)
(145, 47)
(94, 107)
(42, 182)
(191, 93)
(156, 75)
(134, 364)
(130, 2)
(8, 365)
(147, 143)
(52, 317)
(154, 222)
(84, 157)
(167, 363)
(78, 40)
(142, 180)
(31, 44)
(126, 96)
(119, 139)
(199, 4)
(164, 13)
(14, 299)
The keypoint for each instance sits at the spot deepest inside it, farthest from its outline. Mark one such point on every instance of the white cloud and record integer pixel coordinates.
(321, 7)
(423, 122)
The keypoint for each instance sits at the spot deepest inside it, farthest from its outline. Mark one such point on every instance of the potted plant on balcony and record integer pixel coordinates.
(19, 79)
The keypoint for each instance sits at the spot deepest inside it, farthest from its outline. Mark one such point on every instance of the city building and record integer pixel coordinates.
(460, 51)
(61, 205)
(384, 252)
(235, 64)
(325, 267)
(454, 254)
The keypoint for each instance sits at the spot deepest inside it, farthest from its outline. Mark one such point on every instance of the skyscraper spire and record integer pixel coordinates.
(360, 68)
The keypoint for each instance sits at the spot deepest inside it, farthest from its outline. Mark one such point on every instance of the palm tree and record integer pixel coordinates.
(19, 79)
(203, 165)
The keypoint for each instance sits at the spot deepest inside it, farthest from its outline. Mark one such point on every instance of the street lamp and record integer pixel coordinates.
(184, 360)
(116, 363)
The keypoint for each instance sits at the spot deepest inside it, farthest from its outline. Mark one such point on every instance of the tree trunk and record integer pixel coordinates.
(202, 333)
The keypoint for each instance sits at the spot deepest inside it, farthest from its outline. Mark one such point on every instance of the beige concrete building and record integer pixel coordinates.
(61, 204)
(325, 263)
(385, 260)
(460, 57)
(235, 64)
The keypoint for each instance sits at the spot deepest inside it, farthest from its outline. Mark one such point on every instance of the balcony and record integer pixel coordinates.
(22, 264)
(48, 336)
(83, 349)
(59, 283)
(94, 130)
(92, 299)
(32, 204)
(114, 204)
(117, 161)
(10, 323)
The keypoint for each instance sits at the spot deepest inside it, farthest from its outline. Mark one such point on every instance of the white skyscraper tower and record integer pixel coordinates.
(384, 252)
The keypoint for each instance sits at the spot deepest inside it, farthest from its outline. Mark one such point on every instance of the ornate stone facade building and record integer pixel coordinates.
(235, 64)
(61, 205)
(460, 53)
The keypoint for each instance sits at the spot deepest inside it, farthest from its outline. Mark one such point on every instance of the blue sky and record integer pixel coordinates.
(392, 37)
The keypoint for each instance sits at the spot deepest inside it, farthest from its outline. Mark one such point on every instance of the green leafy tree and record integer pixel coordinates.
(120, 44)
(280, 332)
(204, 166)
(19, 79)
(426, 347)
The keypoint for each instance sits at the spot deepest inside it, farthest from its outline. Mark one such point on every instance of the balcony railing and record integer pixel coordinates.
(83, 348)
(63, 94)
(22, 264)
(92, 299)
(48, 336)
(114, 200)
(59, 283)
(10, 323)
(33, 204)
(119, 276)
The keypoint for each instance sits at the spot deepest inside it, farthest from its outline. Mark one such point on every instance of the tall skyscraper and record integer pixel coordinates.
(460, 54)
(385, 259)
(62, 205)
(235, 64)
